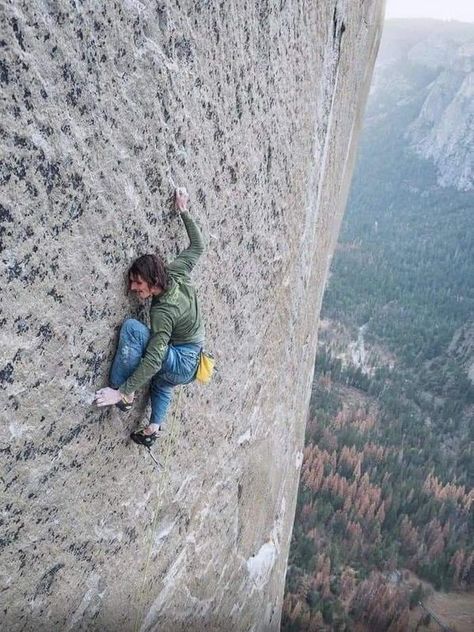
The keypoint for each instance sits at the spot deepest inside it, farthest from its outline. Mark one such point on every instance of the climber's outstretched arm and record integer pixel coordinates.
(186, 260)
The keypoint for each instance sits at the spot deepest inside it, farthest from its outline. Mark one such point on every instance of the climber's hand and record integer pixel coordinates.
(181, 198)
(107, 397)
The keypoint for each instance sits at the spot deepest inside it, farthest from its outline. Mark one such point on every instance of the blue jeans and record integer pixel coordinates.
(179, 366)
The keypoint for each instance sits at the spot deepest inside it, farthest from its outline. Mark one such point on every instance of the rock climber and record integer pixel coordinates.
(167, 353)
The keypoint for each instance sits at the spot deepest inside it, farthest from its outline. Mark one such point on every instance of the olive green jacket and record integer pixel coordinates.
(175, 317)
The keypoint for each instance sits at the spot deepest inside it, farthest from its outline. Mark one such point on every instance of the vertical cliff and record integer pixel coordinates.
(255, 107)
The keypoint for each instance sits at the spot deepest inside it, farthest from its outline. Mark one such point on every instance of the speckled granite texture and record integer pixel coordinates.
(106, 106)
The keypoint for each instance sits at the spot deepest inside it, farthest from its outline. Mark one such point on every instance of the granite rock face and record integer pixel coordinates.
(255, 107)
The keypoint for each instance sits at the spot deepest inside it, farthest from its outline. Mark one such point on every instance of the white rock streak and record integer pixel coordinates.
(260, 566)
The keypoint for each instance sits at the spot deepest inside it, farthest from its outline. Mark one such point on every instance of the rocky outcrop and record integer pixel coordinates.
(429, 64)
(255, 107)
(443, 131)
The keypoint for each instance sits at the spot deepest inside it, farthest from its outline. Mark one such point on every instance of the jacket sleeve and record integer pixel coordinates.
(154, 354)
(186, 260)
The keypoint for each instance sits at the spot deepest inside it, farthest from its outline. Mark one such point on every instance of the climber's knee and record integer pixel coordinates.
(130, 324)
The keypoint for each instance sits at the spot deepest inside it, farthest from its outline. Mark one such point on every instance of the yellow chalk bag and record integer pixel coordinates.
(205, 368)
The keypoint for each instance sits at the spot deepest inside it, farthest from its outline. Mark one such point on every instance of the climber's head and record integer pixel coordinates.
(148, 276)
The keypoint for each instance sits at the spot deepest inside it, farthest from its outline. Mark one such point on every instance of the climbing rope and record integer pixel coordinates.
(163, 481)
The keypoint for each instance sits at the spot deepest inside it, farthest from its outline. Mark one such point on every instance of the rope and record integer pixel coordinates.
(163, 481)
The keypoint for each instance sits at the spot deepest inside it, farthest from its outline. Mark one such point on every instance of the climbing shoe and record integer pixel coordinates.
(143, 439)
(124, 406)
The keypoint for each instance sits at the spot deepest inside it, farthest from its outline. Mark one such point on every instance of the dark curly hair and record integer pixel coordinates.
(150, 268)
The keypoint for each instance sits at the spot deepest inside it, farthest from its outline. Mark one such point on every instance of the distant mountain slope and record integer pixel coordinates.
(430, 65)
(405, 259)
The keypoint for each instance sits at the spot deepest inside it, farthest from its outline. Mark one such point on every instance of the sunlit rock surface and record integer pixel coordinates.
(255, 107)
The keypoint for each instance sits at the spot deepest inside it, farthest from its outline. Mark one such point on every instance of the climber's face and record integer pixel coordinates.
(140, 287)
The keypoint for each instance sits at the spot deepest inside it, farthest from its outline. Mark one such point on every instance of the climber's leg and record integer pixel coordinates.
(133, 340)
(179, 367)
(161, 393)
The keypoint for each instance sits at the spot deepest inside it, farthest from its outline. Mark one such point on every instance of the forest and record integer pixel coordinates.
(385, 506)
(371, 502)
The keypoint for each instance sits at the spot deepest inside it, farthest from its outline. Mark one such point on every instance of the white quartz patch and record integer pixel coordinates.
(245, 437)
(17, 430)
(260, 565)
